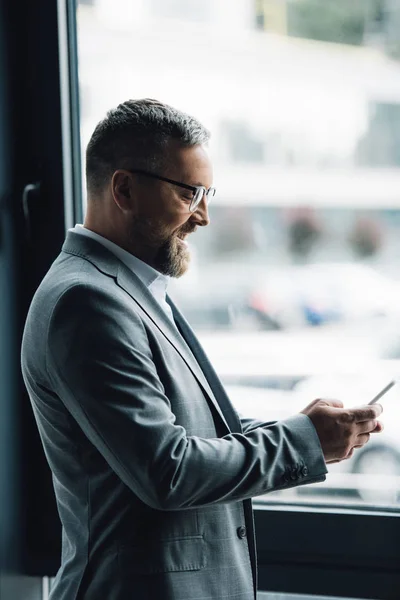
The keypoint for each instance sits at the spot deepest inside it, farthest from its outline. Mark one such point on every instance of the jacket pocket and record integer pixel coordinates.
(166, 556)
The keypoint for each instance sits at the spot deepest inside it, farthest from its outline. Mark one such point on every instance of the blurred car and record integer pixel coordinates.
(317, 294)
(248, 295)
(216, 297)
(287, 357)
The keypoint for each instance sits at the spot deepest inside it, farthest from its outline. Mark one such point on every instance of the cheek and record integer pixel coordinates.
(176, 219)
(168, 213)
(175, 210)
(169, 226)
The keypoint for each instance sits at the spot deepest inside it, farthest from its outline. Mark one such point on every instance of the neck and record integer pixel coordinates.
(146, 254)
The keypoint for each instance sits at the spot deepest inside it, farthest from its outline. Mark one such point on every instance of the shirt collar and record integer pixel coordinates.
(149, 276)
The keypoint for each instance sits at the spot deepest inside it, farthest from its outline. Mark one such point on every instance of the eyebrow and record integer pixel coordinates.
(197, 184)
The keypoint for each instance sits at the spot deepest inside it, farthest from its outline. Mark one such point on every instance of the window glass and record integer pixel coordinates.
(194, 10)
(294, 288)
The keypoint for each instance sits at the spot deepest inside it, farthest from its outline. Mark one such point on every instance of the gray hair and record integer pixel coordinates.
(135, 135)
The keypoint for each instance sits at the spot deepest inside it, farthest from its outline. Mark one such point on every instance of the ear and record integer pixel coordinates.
(123, 190)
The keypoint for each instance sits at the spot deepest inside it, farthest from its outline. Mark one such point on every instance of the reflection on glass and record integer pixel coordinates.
(294, 289)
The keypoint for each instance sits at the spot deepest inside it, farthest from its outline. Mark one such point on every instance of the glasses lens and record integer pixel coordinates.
(210, 194)
(197, 198)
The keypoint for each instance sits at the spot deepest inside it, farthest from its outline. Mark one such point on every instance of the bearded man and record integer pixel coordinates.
(153, 469)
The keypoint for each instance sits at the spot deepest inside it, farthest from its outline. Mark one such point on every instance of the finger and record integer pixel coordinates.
(322, 402)
(310, 405)
(361, 440)
(331, 402)
(366, 427)
(366, 413)
(379, 427)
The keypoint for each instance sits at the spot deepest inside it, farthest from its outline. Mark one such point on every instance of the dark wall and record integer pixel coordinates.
(31, 235)
(8, 326)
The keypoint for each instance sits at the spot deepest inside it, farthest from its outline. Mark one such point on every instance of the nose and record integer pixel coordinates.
(200, 215)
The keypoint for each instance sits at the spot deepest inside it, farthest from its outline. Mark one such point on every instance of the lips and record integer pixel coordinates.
(183, 235)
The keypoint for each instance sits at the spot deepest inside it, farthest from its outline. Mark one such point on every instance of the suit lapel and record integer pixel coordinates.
(191, 352)
(129, 282)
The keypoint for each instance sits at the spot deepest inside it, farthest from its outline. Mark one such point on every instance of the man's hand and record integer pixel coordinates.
(339, 429)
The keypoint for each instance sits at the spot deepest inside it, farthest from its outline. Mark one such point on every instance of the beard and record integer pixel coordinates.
(172, 256)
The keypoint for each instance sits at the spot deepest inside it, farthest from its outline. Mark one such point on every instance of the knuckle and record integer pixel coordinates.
(347, 453)
(348, 416)
(348, 434)
(346, 449)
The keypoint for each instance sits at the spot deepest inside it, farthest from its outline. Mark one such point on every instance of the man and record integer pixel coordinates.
(153, 469)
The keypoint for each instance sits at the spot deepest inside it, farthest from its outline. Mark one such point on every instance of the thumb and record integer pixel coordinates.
(322, 402)
(332, 402)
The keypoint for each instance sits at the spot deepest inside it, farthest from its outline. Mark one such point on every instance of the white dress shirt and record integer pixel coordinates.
(155, 282)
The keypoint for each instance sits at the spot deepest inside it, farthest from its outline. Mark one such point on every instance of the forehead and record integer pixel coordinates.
(189, 164)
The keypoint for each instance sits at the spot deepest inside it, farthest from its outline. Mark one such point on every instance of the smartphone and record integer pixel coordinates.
(383, 392)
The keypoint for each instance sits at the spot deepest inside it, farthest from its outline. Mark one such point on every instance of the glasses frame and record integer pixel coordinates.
(199, 191)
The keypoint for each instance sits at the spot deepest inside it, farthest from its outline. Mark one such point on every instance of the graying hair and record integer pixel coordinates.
(135, 135)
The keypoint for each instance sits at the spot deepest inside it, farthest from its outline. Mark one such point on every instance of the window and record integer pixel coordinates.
(295, 287)
(379, 147)
(271, 15)
(194, 10)
(241, 144)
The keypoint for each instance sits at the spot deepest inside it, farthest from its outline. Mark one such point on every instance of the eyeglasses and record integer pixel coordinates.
(199, 191)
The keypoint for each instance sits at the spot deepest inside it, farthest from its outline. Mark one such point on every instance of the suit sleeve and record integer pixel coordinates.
(248, 423)
(100, 364)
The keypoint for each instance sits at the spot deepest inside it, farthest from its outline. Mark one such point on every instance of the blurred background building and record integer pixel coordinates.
(303, 101)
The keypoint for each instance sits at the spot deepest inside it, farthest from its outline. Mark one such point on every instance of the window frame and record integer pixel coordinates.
(44, 197)
(343, 552)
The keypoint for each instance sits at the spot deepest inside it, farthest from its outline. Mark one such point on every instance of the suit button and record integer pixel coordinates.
(293, 474)
(241, 532)
(304, 471)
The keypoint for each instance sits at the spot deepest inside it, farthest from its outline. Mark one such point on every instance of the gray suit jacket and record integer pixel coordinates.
(153, 469)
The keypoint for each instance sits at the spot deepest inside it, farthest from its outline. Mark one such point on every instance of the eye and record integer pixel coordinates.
(187, 196)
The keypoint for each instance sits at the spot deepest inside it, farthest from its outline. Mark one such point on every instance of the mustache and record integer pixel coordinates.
(186, 230)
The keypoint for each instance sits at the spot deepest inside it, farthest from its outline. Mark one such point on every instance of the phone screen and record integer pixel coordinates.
(383, 392)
